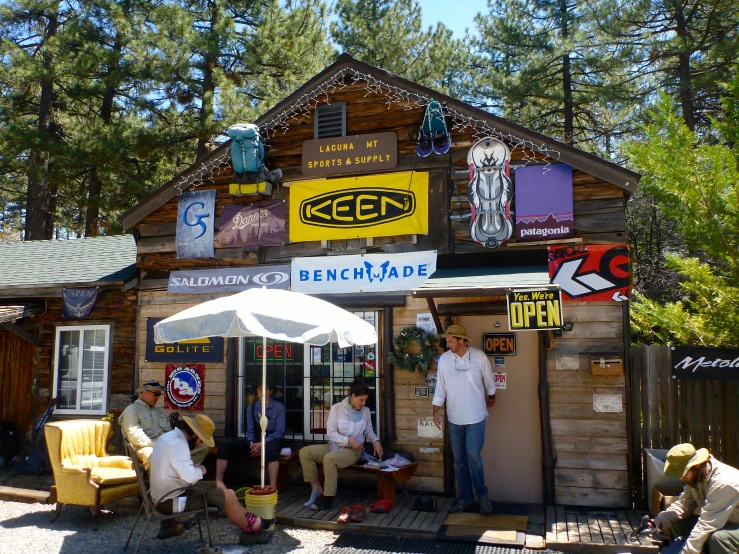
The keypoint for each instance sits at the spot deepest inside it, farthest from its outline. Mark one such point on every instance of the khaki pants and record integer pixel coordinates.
(198, 455)
(311, 456)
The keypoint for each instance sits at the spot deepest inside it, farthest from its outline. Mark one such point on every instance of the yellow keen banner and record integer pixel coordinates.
(382, 205)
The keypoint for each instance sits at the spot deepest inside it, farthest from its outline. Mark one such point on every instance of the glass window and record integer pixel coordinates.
(81, 369)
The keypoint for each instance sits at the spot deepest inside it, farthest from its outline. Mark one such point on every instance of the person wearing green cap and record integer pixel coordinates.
(711, 486)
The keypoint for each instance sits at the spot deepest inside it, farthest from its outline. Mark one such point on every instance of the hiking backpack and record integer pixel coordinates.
(247, 148)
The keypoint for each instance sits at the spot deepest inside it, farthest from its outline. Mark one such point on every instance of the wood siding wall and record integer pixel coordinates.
(114, 308)
(17, 364)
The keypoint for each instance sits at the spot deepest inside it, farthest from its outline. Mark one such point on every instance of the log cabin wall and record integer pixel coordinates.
(591, 466)
(114, 308)
(17, 366)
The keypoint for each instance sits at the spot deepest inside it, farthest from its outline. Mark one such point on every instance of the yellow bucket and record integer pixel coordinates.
(262, 506)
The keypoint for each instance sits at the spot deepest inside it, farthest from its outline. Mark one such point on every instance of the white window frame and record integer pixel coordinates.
(82, 328)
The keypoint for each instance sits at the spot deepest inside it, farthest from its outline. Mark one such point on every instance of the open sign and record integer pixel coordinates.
(500, 381)
(499, 344)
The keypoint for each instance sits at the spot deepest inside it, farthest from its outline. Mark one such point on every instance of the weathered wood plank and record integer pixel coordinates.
(551, 524)
(594, 528)
(606, 498)
(604, 479)
(605, 529)
(562, 532)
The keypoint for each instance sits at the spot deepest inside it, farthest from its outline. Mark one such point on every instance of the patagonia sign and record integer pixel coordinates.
(208, 349)
(359, 207)
(78, 303)
(195, 221)
(534, 310)
(705, 363)
(359, 153)
(362, 273)
(229, 279)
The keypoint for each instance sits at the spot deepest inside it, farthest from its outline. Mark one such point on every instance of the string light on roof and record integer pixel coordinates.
(395, 95)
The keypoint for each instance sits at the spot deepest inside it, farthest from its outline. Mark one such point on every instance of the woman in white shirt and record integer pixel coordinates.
(349, 427)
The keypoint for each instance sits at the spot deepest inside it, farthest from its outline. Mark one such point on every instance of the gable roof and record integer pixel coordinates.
(579, 159)
(49, 263)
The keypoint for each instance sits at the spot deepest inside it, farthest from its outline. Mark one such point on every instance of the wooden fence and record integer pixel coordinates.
(667, 411)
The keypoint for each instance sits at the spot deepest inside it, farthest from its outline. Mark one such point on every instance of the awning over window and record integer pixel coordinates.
(482, 281)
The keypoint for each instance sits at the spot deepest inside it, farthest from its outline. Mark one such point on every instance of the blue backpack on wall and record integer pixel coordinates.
(247, 148)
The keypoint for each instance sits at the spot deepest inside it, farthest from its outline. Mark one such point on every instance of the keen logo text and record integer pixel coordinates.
(357, 207)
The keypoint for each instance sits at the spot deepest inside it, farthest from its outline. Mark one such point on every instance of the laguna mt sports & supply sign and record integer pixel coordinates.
(333, 156)
(534, 310)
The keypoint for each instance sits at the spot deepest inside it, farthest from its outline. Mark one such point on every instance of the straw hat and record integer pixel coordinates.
(682, 457)
(203, 427)
(456, 331)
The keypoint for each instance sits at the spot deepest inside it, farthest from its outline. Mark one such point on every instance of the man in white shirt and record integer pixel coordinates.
(172, 468)
(465, 383)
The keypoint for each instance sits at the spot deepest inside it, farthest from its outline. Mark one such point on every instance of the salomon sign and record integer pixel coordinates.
(232, 279)
(591, 272)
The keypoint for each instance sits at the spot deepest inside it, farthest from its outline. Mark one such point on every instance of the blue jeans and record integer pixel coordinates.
(467, 441)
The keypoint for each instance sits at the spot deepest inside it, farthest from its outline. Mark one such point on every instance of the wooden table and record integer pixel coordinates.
(387, 480)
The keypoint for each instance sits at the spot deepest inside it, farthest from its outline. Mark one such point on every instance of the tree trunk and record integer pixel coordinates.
(40, 206)
(683, 68)
(206, 110)
(569, 108)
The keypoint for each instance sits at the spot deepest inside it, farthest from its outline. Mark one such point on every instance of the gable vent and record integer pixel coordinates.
(330, 120)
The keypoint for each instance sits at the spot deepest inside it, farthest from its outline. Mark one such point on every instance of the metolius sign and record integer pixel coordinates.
(703, 363)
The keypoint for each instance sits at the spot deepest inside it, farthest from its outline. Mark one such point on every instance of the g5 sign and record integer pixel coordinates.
(195, 217)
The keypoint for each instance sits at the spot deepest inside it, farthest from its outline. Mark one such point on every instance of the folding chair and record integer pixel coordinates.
(152, 510)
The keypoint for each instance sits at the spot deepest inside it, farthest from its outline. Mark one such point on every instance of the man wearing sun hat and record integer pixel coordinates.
(143, 422)
(172, 468)
(465, 383)
(713, 487)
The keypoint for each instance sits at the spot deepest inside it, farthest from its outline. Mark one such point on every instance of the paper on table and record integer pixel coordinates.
(285, 452)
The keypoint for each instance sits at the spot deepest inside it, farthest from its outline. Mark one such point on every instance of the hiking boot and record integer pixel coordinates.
(485, 506)
(262, 537)
(170, 528)
(459, 506)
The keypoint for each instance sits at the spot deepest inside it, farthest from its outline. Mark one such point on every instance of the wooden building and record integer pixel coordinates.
(555, 434)
(85, 361)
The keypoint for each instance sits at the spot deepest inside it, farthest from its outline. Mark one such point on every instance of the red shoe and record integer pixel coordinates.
(345, 514)
(359, 512)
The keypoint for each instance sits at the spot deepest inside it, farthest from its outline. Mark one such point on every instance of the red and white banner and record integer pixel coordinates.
(591, 273)
(184, 388)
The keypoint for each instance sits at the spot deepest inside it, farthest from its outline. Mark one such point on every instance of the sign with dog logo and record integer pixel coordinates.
(383, 205)
(195, 222)
(592, 273)
(534, 310)
(359, 153)
(362, 273)
(184, 388)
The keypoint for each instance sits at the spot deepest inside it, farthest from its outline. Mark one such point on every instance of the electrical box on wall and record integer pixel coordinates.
(606, 366)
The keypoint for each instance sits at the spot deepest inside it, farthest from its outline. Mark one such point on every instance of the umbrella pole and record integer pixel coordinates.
(263, 420)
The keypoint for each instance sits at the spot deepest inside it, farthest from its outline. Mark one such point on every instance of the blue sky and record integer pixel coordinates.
(455, 14)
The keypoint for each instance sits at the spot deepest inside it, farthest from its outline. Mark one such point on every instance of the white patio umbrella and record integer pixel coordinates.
(268, 313)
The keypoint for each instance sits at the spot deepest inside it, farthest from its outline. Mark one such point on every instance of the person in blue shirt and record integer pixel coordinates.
(252, 446)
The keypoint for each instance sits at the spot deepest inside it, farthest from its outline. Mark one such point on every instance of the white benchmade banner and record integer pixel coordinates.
(362, 273)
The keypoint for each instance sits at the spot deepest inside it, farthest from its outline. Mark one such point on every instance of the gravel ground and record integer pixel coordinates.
(26, 529)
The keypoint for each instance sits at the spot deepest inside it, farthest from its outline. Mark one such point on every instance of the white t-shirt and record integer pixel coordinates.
(464, 383)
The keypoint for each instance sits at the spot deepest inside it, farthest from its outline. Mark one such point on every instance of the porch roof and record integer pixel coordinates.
(482, 281)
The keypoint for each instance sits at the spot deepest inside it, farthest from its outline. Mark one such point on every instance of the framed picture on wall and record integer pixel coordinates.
(421, 392)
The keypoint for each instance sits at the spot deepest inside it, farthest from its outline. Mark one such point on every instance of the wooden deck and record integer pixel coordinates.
(563, 528)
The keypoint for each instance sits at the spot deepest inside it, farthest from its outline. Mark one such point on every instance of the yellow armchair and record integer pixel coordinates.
(83, 474)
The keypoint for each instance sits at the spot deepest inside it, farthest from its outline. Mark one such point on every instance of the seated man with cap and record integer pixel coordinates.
(713, 487)
(143, 422)
(252, 446)
(173, 468)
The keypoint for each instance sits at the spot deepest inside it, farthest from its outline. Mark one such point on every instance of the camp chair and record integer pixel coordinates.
(152, 510)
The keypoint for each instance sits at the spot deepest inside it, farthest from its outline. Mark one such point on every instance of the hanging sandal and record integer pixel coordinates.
(346, 512)
(358, 514)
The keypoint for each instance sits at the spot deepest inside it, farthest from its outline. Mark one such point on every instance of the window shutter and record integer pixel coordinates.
(330, 120)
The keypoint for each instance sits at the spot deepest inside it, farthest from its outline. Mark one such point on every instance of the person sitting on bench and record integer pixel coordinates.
(252, 446)
(349, 425)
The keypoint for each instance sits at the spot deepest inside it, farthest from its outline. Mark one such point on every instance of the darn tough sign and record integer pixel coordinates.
(534, 310)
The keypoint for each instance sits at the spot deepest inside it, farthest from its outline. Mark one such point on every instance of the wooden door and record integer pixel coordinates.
(512, 451)
(16, 381)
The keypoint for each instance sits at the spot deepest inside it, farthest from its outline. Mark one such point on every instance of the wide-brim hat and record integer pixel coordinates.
(203, 427)
(682, 457)
(456, 331)
(150, 385)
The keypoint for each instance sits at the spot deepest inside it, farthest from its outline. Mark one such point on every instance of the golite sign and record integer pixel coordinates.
(362, 273)
(534, 310)
(383, 205)
(230, 279)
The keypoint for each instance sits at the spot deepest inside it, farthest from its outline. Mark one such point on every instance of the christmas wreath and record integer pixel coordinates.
(414, 349)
